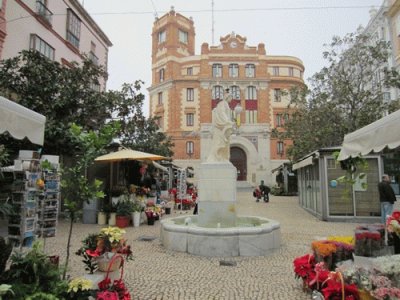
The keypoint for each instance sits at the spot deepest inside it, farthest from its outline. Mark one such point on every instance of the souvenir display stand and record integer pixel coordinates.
(35, 199)
(49, 198)
(21, 224)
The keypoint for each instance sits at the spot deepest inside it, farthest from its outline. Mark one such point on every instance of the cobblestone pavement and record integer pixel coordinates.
(157, 273)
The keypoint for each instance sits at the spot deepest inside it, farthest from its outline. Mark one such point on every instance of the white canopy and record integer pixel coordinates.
(373, 137)
(302, 163)
(21, 122)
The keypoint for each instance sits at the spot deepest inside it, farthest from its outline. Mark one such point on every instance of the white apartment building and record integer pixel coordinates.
(380, 29)
(61, 30)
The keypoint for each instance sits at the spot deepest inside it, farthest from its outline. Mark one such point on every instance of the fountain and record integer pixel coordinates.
(217, 230)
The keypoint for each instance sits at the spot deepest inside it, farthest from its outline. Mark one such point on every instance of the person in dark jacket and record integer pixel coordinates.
(264, 191)
(386, 197)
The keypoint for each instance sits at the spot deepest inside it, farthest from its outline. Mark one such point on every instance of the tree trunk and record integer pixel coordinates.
(72, 215)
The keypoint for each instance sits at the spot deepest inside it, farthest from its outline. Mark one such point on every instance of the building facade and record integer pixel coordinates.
(61, 30)
(186, 87)
(380, 28)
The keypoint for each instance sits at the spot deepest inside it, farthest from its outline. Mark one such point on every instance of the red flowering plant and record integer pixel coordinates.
(312, 273)
(336, 289)
(393, 223)
(95, 246)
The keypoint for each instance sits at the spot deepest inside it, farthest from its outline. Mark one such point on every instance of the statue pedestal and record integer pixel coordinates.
(217, 194)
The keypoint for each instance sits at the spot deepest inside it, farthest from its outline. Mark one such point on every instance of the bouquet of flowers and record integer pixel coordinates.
(96, 246)
(393, 223)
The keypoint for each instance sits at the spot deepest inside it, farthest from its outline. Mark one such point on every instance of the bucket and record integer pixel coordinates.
(168, 210)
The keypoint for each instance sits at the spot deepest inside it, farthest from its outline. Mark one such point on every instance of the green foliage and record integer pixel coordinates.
(66, 95)
(4, 156)
(32, 273)
(354, 167)
(6, 249)
(124, 208)
(276, 191)
(63, 94)
(344, 96)
(5, 289)
(75, 186)
(138, 132)
(90, 242)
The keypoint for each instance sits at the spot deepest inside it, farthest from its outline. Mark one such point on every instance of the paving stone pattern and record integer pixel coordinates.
(157, 273)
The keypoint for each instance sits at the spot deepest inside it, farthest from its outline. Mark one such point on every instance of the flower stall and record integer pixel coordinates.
(353, 267)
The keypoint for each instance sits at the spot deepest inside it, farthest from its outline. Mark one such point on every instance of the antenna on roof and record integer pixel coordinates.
(155, 10)
(212, 22)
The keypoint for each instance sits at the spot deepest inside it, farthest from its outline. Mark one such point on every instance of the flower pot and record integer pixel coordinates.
(101, 218)
(396, 243)
(112, 219)
(150, 221)
(103, 262)
(122, 221)
(136, 218)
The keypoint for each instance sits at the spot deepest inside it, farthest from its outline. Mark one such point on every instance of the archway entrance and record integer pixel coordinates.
(239, 160)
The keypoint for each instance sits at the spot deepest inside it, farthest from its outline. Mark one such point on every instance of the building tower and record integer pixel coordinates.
(186, 87)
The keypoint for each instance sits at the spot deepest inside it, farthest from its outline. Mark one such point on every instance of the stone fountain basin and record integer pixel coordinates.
(253, 236)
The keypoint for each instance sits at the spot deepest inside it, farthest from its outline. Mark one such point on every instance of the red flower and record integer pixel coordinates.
(93, 253)
(333, 290)
(303, 265)
(104, 284)
(396, 215)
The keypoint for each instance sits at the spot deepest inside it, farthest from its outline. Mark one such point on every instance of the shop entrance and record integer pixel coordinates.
(239, 160)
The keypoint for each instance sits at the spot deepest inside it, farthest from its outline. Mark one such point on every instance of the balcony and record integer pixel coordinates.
(43, 12)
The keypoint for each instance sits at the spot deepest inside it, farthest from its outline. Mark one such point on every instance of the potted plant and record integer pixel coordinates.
(137, 208)
(102, 214)
(124, 210)
(151, 215)
(97, 248)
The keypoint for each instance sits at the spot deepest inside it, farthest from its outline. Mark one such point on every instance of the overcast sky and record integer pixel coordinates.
(286, 27)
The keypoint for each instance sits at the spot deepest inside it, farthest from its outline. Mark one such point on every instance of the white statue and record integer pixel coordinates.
(221, 131)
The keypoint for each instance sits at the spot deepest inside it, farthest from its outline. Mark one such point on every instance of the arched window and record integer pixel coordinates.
(251, 93)
(217, 92)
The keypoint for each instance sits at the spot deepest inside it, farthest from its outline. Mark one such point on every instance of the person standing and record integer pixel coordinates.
(386, 197)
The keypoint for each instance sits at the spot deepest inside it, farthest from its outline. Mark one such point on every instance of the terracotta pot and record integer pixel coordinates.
(122, 221)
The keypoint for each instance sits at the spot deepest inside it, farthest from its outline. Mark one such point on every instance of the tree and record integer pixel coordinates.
(64, 95)
(76, 187)
(69, 95)
(137, 131)
(344, 96)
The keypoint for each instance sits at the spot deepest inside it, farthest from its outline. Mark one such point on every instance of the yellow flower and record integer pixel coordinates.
(114, 234)
(342, 239)
(79, 283)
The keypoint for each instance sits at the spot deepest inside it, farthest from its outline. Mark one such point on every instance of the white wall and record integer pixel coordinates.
(21, 24)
